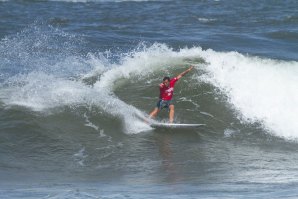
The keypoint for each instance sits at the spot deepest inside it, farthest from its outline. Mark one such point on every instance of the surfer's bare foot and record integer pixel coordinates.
(147, 120)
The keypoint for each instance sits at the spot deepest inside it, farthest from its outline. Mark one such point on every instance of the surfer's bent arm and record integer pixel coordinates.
(184, 73)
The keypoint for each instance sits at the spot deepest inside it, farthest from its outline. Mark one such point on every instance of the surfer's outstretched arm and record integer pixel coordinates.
(184, 73)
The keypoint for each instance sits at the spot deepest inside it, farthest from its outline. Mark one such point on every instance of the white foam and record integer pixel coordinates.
(261, 90)
(205, 20)
(80, 157)
(139, 63)
(41, 91)
(231, 132)
(89, 123)
(45, 90)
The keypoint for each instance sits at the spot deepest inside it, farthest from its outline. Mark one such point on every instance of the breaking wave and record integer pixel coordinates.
(39, 74)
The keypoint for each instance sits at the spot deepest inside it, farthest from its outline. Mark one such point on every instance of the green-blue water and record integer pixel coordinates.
(77, 77)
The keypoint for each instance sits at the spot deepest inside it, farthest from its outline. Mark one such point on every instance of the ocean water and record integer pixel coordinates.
(78, 77)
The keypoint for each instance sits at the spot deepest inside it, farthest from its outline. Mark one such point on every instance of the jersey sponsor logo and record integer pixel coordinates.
(169, 90)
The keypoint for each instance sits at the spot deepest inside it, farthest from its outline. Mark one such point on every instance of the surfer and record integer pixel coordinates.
(166, 89)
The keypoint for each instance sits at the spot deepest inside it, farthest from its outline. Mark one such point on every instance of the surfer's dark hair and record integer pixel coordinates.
(166, 78)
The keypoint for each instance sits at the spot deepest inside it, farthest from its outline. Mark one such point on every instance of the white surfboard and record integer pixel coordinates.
(175, 125)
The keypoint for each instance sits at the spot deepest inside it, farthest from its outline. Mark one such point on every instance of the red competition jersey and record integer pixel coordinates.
(166, 93)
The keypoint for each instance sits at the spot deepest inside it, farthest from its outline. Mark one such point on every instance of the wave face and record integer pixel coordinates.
(42, 76)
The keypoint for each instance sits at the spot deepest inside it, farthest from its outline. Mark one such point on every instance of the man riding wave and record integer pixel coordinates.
(166, 92)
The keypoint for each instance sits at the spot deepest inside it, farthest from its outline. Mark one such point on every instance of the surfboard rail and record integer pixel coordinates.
(175, 125)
